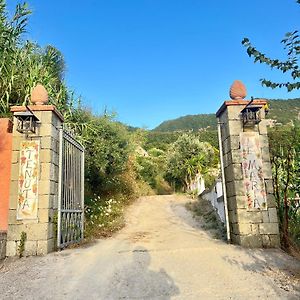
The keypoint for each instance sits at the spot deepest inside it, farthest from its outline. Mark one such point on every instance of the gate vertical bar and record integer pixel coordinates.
(60, 186)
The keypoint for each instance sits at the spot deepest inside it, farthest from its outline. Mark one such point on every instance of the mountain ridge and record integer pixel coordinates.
(281, 110)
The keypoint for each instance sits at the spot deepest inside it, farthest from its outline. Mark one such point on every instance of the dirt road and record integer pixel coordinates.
(161, 254)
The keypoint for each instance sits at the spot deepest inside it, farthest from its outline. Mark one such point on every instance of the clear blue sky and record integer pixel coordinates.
(153, 60)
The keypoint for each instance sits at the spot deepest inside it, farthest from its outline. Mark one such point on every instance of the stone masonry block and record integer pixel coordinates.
(263, 141)
(47, 117)
(230, 189)
(45, 246)
(244, 229)
(35, 231)
(48, 130)
(47, 187)
(235, 142)
(226, 146)
(237, 170)
(48, 171)
(239, 188)
(227, 159)
(235, 127)
(30, 248)
(251, 241)
(55, 202)
(265, 216)
(271, 202)
(231, 202)
(251, 217)
(235, 238)
(267, 170)
(48, 142)
(269, 228)
(273, 215)
(269, 186)
(262, 126)
(45, 201)
(15, 171)
(241, 202)
(224, 131)
(16, 142)
(265, 154)
(235, 228)
(228, 171)
(236, 156)
(234, 112)
(45, 156)
(12, 217)
(224, 116)
(255, 229)
(45, 215)
(11, 248)
(15, 158)
(232, 216)
(275, 240)
(235, 188)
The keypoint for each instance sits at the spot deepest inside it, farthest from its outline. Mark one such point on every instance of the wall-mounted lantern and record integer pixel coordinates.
(27, 121)
(250, 115)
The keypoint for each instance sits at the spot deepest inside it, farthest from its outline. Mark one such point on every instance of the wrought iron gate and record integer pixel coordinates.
(70, 190)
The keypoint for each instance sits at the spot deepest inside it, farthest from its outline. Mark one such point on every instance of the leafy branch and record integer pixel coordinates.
(291, 44)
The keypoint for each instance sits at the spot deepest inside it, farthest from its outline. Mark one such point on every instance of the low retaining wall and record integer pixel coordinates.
(2, 244)
(215, 197)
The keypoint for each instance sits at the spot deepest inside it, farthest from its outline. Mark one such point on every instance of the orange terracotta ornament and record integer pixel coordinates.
(237, 90)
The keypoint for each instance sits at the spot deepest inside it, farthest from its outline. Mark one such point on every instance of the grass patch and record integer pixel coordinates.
(208, 218)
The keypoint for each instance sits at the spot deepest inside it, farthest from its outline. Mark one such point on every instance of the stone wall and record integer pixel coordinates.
(2, 244)
(249, 226)
(41, 230)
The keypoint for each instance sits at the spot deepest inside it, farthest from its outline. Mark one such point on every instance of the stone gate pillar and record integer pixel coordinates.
(251, 204)
(34, 180)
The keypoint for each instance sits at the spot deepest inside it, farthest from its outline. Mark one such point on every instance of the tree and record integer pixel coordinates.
(291, 44)
(285, 158)
(23, 64)
(188, 158)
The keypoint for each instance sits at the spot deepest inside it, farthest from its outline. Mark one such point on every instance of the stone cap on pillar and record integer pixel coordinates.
(242, 103)
(38, 108)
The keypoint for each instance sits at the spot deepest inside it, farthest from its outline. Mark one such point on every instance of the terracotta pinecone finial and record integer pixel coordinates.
(39, 95)
(237, 90)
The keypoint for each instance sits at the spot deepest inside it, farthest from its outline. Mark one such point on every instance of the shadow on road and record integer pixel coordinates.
(137, 281)
(283, 269)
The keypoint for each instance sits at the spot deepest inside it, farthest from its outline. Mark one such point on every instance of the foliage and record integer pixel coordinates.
(284, 111)
(291, 43)
(151, 169)
(21, 247)
(189, 157)
(103, 216)
(285, 158)
(189, 122)
(23, 64)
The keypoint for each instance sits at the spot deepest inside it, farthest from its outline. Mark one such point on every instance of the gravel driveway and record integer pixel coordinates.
(162, 253)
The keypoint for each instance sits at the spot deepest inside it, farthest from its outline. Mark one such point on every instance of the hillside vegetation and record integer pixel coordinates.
(283, 111)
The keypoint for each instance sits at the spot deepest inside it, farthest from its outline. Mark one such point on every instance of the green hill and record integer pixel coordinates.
(190, 122)
(283, 111)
